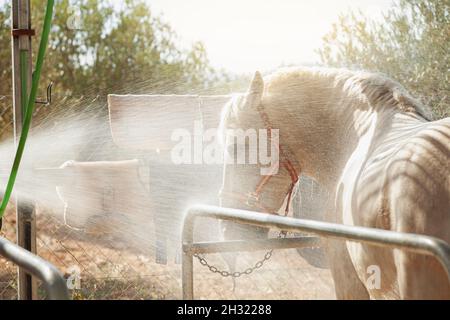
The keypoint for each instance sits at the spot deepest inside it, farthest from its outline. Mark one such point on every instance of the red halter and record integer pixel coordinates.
(253, 199)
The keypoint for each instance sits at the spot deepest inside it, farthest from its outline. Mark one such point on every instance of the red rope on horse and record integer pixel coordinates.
(253, 199)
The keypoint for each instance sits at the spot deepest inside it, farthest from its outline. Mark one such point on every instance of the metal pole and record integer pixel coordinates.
(187, 261)
(254, 245)
(53, 280)
(413, 242)
(188, 275)
(22, 68)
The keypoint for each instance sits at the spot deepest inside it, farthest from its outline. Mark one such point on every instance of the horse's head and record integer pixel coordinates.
(258, 173)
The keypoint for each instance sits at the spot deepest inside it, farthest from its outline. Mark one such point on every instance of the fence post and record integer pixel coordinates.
(187, 264)
(22, 67)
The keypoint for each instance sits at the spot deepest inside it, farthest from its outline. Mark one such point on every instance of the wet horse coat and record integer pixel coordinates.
(374, 149)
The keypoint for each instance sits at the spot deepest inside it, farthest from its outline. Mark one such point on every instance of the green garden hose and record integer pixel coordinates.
(29, 103)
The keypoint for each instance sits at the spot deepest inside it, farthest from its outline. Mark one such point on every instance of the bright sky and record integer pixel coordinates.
(248, 35)
(245, 35)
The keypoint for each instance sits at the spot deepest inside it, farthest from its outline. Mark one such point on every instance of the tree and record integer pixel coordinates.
(411, 44)
(98, 47)
(5, 52)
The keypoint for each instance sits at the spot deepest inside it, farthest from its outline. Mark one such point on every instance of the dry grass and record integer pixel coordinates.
(121, 272)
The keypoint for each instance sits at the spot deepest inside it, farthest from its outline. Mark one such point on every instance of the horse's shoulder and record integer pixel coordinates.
(429, 147)
(413, 167)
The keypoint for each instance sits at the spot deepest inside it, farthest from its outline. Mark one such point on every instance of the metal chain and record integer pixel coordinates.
(258, 265)
(226, 274)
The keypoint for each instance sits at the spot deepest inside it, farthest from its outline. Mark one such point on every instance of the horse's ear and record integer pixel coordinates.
(256, 90)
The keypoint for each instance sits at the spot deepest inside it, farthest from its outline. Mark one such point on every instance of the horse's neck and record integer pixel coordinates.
(325, 137)
(320, 138)
(392, 132)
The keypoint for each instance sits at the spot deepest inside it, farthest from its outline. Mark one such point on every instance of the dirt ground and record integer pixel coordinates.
(286, 276)
(120, 273)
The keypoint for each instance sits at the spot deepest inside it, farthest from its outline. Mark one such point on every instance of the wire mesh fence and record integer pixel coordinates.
(8, 272)
(98, 267)
(95, 266)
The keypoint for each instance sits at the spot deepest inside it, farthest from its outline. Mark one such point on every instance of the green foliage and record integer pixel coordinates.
(5, 52)
(411, 44)
(99, 46)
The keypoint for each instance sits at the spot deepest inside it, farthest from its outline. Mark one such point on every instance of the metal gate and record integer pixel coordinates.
(53, 281)
(412, 242)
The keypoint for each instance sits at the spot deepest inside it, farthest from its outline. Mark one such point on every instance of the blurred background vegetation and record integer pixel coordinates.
(127, 49)
(411, 45)
(101, 46)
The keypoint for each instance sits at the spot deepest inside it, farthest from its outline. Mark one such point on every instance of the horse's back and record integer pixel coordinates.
(416, 197)
(404, 186)
(418, 182)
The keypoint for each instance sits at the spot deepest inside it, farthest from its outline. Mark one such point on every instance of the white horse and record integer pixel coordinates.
(376, 151)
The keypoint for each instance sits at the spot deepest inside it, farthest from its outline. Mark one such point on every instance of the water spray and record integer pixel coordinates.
(28, 104)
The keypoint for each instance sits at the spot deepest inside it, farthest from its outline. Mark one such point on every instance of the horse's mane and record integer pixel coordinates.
(375, 88)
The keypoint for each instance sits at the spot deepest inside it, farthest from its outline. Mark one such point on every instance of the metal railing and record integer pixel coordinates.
(53, 281)
(412, 242)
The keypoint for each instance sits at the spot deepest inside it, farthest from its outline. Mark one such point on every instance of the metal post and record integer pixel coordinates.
(383, 238)
(187, 267)
(53, 281)
(22, 67)
(188, 276)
